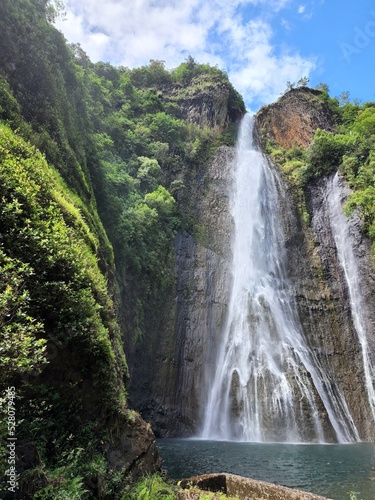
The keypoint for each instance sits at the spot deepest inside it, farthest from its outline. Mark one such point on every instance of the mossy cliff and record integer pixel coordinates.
(97, 165)
(166, 370)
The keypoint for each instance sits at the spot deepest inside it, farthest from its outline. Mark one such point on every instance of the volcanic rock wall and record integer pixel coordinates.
(293, 119)
(167, 382)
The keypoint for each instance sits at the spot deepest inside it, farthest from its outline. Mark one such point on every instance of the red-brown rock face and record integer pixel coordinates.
(294, 118)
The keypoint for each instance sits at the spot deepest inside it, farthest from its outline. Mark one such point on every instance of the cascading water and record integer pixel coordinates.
(341, 232)
(267, 384)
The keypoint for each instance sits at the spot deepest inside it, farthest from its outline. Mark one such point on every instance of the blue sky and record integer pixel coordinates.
(261, 44)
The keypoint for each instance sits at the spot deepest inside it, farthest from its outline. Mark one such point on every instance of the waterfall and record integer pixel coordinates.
(266, 384)
(342, 236)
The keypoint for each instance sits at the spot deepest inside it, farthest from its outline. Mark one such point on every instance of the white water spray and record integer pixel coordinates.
(348, 262)
(267, 385)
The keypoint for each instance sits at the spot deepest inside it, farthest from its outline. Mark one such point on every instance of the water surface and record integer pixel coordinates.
(328, 470)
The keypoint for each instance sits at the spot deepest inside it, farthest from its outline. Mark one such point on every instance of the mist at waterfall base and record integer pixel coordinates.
(267, 395)
(332, 471)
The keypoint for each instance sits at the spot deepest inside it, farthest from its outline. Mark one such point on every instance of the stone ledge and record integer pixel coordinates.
(244, 488)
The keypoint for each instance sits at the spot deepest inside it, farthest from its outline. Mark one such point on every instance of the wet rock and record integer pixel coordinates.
(336, 334)
(170, 368)
(132, 448)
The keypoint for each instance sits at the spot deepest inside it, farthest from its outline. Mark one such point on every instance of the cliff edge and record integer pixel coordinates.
(294, 118)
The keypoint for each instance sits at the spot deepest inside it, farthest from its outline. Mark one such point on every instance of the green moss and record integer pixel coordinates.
(201, 234)
(293, 165)
(49, 257)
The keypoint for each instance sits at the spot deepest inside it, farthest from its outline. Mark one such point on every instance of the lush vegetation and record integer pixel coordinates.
(152, 488)
(58, 328)
(349, 148)
(146, 158)
(96, 164)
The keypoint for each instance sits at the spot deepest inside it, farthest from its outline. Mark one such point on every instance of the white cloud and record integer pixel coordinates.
(306, 11)
(285, 24)
(131, 32)
(257, 71)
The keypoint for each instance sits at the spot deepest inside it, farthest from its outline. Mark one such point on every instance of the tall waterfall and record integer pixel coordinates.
(267, 384)
(341, 232)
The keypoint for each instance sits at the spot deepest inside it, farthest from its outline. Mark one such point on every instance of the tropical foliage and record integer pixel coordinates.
(95, 168)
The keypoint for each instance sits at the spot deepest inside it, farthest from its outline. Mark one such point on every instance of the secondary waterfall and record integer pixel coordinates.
(341, 233)
(267, 384)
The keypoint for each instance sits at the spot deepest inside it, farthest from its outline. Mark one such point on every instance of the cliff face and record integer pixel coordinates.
(320, 273)
(321, 294)
(208, 106)
(294, 118)
(208, 100)
(170, 371)
(203, 270)
(347, 272)
(167, 379)
(167, 364)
